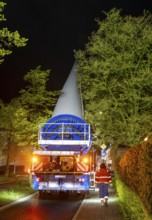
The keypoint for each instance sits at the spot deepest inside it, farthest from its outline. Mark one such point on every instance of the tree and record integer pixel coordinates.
(20, 118)
(8, 127)
(115, 74)
(37, 104)
(8, 39)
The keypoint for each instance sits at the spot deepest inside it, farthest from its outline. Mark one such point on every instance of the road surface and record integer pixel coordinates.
(56, 208)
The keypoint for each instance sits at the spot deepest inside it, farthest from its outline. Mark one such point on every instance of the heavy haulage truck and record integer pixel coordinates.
(61, 165)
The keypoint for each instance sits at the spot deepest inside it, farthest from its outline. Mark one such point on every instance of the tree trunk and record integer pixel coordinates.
(8, 156)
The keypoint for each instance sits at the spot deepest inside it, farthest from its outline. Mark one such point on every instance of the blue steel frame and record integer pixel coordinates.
(72, 123)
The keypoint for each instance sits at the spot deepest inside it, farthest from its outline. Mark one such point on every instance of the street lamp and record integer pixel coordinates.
(146, 139)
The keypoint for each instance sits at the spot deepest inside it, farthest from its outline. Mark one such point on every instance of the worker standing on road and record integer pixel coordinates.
(102, 178)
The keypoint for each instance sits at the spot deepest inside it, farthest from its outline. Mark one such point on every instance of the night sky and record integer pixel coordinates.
(54, 29)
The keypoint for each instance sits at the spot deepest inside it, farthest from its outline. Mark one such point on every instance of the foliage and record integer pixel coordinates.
(136, 172)
(115, 78)
(12, 122)
(20, 118)
(8, 127)
(8, 120)
(8, 39)
(37, 104)
(131, 205)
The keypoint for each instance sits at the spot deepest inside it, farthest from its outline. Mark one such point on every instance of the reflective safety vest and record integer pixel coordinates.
(103, 176)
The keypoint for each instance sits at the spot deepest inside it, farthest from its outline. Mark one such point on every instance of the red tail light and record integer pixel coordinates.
(39, 179)
(82, 180)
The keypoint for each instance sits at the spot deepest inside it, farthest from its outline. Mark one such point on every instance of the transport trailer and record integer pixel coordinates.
(65, 139)
(59, 173)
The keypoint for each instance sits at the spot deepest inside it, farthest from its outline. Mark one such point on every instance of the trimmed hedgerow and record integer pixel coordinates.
(135, 171)
(144, 187)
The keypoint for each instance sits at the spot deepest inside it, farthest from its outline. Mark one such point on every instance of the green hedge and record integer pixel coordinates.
(135, 170)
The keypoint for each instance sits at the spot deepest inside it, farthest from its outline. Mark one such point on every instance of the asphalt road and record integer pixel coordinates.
(55, 208)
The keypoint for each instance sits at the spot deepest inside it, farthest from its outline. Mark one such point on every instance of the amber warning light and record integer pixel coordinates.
(34, 159)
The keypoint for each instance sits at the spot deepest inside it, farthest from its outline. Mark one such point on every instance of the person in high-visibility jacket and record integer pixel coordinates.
(102, 178)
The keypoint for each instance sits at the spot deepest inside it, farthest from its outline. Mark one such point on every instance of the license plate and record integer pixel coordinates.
(60, 176)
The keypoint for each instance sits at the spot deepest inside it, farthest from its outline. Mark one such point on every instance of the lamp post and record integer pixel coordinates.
(93, 153)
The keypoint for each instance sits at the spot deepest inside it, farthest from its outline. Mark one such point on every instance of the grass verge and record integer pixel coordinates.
(19, 190)
(131, 205)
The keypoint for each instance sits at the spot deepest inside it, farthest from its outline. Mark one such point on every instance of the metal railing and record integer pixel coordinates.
(64, 133)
